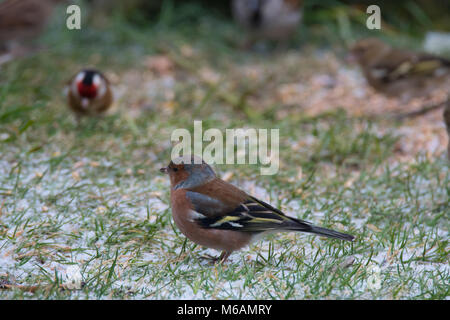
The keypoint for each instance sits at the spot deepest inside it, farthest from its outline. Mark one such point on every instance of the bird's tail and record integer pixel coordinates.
(331, 233)
(303, 226)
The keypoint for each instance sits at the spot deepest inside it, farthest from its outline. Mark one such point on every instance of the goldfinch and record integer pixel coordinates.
(89, 93)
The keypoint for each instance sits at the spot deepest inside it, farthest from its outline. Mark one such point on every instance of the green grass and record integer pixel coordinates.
(92, 195)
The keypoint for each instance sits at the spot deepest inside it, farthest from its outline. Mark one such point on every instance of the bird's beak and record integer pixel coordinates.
(163, 170)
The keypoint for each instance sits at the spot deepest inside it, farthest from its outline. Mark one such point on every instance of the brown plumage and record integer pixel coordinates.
(216, 214)
(226, 241)
(399, 73)
(23, 20)
(89, 93)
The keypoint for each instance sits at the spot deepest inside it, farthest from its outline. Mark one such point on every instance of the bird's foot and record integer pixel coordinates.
(213, 260)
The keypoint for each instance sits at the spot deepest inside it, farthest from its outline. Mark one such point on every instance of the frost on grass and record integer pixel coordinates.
(97, 221)
(104, 239)
(57, 219)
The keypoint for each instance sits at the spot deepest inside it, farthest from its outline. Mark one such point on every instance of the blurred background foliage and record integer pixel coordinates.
(324, 23)
(412, 17)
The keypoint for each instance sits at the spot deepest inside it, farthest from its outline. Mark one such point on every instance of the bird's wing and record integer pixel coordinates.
(401, 64)
(220, 205)
(429, 64)
(252, 215)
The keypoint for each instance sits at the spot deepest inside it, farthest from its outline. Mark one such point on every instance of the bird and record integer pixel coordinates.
(216, 214)
(268, 19)
(89, 93)
(447, 124)
(22, 21)
(397, 72)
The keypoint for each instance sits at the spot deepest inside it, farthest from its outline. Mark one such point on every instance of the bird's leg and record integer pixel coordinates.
(213, 260)
(78, 120)
(224, 256)
(209, 257)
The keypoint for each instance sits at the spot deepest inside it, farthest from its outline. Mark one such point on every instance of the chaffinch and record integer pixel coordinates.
(89, 93)
(397, 72)
(447, 124)
(268, 19)
(218, 215)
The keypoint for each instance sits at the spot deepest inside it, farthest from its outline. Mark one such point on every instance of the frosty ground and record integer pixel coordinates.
(91, 196)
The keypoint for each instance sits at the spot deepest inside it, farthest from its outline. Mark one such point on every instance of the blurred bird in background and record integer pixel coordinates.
(89, 94)
(20, 22)
(218, 215)
(273, 20)
(400, 73)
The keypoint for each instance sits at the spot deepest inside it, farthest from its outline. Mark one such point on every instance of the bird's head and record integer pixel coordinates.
(367, 51)
(89, 84)
(188, 172)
